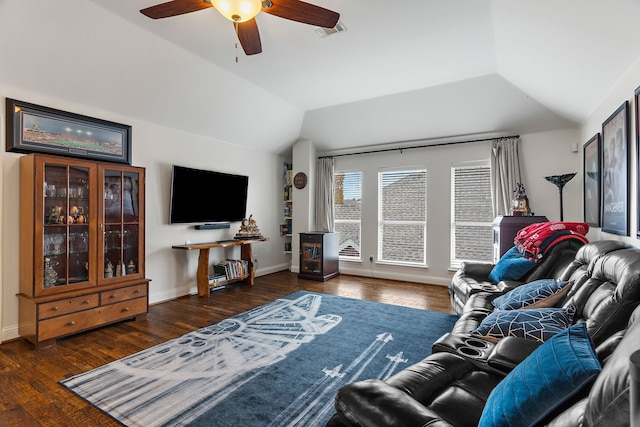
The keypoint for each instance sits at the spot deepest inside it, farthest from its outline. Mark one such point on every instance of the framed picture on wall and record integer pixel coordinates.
(615, 172)
(592, 175)
(637, 102)
(33, 128)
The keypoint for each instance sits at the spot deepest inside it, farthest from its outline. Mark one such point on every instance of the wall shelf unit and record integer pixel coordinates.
(286, 228)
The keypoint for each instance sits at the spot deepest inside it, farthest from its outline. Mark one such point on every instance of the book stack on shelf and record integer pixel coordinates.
(229, 269)
(311, 252)
(286, 228)
(287, 172)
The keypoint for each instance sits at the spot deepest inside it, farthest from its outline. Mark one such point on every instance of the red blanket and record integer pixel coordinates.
(535, 240)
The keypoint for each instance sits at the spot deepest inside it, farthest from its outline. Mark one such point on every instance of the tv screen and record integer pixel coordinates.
(203, 196)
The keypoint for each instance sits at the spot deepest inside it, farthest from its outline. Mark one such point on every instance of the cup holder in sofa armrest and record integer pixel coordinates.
(464, 345)
(470, 351)
(510, 351)
(477, 343)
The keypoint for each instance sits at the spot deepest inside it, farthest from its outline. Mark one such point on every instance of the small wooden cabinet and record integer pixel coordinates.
(81, 246)
(318, 256)
(505, 229)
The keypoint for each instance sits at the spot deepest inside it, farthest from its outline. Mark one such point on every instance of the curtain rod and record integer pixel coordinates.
(383, 150)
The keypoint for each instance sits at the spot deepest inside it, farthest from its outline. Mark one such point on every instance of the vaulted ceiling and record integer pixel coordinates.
(403, 70)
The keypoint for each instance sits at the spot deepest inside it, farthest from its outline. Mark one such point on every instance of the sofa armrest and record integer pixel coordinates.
(477, 270)
(507, 285)
(376, 403)
(510, 351)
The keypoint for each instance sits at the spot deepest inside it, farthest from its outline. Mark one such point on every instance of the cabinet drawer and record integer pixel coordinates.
(65, 306)
(122, 294)
(87, 319)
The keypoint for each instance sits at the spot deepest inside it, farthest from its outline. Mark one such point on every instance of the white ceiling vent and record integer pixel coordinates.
(324, 32)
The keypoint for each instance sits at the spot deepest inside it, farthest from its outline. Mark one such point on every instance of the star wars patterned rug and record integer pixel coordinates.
(280, 364)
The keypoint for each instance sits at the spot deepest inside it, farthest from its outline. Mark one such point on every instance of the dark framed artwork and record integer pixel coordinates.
(637, 102)
(34, 128)
(592, 175)
(615, 172)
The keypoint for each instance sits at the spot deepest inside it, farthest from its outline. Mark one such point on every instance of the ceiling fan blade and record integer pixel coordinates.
(299, 11)
(249, 37)
(174, 8)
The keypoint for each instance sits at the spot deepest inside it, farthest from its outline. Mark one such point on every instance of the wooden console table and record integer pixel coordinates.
(202, 276)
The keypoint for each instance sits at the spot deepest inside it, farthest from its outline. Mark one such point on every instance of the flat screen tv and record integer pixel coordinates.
(204, 196)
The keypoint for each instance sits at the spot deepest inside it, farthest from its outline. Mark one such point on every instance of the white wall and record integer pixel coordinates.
(156, 148)
(304, 160)
(62, 57)
(541, 154)
(621, 91)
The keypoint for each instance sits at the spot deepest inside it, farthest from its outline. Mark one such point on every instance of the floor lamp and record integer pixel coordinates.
(560, 181)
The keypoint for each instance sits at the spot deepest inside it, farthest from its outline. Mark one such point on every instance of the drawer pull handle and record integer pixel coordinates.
(55, 308)
(71, 323)
(137, 291)
(113, 295)
(125, 309)
(86, 301)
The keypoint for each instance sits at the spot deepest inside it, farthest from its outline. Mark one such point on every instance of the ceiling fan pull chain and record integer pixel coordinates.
(235, 26)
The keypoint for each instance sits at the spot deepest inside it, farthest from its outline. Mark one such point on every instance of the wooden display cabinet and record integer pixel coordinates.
(318, 256)
(81, 246)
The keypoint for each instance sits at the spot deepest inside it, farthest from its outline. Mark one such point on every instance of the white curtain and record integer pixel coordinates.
(505, 173)
(324, 194)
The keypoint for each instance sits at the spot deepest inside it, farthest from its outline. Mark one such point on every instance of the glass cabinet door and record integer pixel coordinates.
(311, 257)
(121, 251)
(65, 231)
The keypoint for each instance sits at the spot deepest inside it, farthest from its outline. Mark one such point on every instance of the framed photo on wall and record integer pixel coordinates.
(33, 128)
(592, 175)
(615, 172)
(637, 102)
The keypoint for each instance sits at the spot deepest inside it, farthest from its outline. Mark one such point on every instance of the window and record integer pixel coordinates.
(402, 216)
(347, 212)
(471, 213)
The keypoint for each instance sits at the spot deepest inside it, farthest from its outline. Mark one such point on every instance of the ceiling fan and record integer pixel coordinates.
(242, 13)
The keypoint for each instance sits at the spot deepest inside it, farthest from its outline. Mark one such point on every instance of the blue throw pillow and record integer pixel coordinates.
(537, 324)
(511, 266)
(538, 294)
(546, 379)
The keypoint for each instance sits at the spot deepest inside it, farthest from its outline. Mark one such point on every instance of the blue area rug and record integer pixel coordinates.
(280, 364)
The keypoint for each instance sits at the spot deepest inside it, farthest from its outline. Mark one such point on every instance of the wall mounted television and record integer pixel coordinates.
(205, 196)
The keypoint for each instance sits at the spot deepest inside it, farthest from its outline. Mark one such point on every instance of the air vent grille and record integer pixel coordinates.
(324, 32)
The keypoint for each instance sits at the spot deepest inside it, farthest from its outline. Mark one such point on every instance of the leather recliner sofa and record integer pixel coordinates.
(578, 270)
(451, 386)
(473, 277)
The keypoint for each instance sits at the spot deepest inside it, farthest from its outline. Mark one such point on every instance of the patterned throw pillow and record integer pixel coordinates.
(539, 294)
(547, 378)
(537, 324)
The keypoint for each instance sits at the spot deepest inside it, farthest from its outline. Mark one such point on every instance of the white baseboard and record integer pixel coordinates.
(418, 277)
(9, 333)
(156, 298)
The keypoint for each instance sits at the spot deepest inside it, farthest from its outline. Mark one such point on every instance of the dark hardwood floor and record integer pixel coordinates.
(31, 396)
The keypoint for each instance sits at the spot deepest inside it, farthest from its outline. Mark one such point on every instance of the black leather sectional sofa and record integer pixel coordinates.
(463, 375)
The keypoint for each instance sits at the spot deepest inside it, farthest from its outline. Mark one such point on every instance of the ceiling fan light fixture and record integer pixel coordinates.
(238, 10)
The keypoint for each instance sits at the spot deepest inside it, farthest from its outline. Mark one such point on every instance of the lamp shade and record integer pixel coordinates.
(238, 10)
(560, 181)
